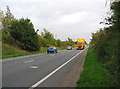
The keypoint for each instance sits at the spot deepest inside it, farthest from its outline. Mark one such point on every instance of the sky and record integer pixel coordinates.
(63, 18)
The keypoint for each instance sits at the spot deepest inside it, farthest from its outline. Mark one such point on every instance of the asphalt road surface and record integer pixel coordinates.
(40, 70)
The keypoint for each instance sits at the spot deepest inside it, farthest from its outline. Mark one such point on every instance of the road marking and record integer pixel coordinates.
(28, 61)
(34, 67)
(46, 77)
(52, 55)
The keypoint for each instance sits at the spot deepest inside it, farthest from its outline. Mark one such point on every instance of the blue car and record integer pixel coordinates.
(51, 50)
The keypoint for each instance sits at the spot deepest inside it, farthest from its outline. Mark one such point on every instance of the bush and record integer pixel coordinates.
(7, 38)
(106, 43)
(23, 32)
(58, 43)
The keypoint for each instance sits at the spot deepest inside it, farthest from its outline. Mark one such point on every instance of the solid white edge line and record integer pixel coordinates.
(46, 77)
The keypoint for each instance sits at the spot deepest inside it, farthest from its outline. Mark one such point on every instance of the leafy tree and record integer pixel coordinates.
(59, 43)
(7, 39)
(1, 26)
(49, 38)
(47, 35)
(70, 41)
(6, 20)
(43, 42)
(4, 26)
(1, 16)
(24, 33)
(106, 44)
(63, 43)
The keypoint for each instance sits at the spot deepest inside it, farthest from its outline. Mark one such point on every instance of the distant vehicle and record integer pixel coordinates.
(69, 48)
(80, 43)
(51, 50)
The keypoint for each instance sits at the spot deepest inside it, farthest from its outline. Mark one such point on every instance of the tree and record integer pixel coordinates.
(43, 42)
(47, 35)
(5, 23)
(1, 16)
(1, 26)
(24, 34)
(70, 41)
(59, 43)
(6, 20)
(106, 44)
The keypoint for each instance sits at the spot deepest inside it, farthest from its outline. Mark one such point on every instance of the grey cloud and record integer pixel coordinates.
(67, 18)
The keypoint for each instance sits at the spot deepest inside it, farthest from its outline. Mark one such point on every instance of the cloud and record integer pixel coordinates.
(73, 18)
(67, 18)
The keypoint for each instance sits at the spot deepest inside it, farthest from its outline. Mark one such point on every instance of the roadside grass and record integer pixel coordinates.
(93, 75)
(61, 48)
(12, 51)
(22, 54)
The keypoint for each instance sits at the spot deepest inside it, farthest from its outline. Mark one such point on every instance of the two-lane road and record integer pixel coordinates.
(40, 70)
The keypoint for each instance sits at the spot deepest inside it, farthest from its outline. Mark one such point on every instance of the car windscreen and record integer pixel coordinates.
(51, 48)
(80, 43)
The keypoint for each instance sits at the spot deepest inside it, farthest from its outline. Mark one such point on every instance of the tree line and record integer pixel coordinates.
(21, 32)
(106, 43)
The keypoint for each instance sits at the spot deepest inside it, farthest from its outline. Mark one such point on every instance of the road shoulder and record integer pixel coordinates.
(73, 75)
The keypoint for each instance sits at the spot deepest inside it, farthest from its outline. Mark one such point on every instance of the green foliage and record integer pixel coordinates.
(22, 31)
(64, 44)
(6, 20)
(7, 50)
(1, 16)
(47, 39)
(47, 35)
(70, 41)
(6, 23)
(93, 75)
(43, 42)
(106, 44)
(7, 38)
(12, 51)
(59, 43)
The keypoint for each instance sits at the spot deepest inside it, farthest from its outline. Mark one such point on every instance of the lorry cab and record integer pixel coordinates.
(80, 43)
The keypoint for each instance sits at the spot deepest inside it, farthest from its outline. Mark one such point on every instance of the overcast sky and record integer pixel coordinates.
(63, 18)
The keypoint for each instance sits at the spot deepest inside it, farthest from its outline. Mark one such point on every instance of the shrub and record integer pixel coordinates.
(22, 31)
(7, 38)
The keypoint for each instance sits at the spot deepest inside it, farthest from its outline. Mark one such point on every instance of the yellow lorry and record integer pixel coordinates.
(80, 43)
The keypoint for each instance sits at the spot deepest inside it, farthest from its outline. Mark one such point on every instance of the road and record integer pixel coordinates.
(40, 70)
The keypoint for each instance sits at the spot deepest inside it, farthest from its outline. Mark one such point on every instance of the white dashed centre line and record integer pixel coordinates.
(34, 67)
(28, 61)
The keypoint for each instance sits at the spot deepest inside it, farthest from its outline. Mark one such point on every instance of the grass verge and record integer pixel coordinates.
(10, 51)
(22, 54)
(93, 75)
